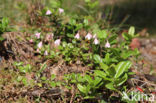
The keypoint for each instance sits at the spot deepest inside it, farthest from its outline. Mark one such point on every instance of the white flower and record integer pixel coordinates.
(77, 36)
(48, 12)
(39, 45)
(94, 36)
(96, 41)
(57, 42)
(38, 35)
(61, 10)
(88, 36)
(45, 53)
(107, 45)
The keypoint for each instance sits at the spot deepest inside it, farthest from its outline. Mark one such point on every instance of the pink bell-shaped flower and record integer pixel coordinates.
(37, 35)
(61, 10)
(48, 12)
(31, 41)
(88, 36)
(107, 45)
(39, 45)
(38, 50)
(77, 36)
(46, 53)
(96, 41)
(57, 42)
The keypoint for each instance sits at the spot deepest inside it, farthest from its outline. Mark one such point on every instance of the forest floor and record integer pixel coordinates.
(148, 52)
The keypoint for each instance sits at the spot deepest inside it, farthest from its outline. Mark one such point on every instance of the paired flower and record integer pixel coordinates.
(88, 36)
(48, 12)
(77, 36)
(61, 10)
(107, 45)
(39, 45)
(96, 41)
(57, 42)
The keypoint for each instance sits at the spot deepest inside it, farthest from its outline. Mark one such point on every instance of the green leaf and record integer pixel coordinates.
(94, 4)
(121, 68)
(82, 89)
(131, 73)
(126, 36)
(19, 78)
(28, 67)
(1, 38)
(112, 40)
(52, 84)
(103, 101)
(111, 72)
(4, 24)
(89, 97)
(55, 3)
(80, 78)
(43, 78)
(97, 58)
(43, 66)
(72, 21)
(107, 59)
(102, 75)
(110, 86)
(79, 26)
(126, 54)
(22, 69)
(104, 66)
(102, 34)
(24, 81)
(87, 1)
(88, 78)
(97, 81)
(70, 35)
(122, 80)
(131, 31)
(86, 22)
(53, 76)
(18, 63)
